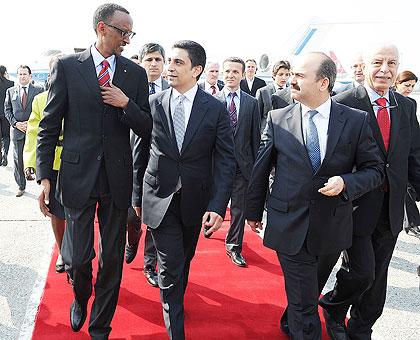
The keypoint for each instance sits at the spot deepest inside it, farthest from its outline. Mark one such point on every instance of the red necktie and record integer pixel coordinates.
(103, 77)
(383, 121)
(24, 98)
(213, 90)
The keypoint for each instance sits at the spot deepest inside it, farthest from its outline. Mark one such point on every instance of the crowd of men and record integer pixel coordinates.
(330, 165)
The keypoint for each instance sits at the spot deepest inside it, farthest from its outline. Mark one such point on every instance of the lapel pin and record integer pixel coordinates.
(125, 70)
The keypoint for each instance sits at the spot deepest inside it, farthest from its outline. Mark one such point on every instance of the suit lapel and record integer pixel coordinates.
(243, 105)
(120, 74)
(395, 115)
(31, 95)
(87, 70)
(163, 107)
(335, 126)
(198, 111)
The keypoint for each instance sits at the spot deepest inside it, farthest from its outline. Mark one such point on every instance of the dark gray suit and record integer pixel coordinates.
(264, 102)
(246, 140)
(303, 224)
(205, 167)
(14, 113)
(282, 98)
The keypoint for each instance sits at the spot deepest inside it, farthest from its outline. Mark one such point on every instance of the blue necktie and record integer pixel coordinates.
(312, 142)
(152, 88)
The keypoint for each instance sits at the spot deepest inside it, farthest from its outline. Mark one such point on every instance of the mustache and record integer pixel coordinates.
(295, 87)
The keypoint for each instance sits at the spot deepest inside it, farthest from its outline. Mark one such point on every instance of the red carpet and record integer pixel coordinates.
(222, 301)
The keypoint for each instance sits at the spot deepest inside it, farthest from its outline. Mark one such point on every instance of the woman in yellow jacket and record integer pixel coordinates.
(29, 160)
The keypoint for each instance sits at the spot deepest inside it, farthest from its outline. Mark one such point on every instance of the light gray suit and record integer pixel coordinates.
(14, 113)
(246, 141)
(264, 102)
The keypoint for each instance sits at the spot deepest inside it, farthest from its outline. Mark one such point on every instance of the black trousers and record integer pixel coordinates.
(235, 235)
(150, 256)
(78, 252)
(18, 169)
(175, 244)
(5, 134)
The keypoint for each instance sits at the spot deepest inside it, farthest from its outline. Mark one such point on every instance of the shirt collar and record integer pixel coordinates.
(190, 94)
(158, 82)
(226, 91)
(98, 58)
(324, 109)
(373, 96)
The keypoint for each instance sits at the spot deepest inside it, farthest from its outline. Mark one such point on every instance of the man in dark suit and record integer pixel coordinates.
(17, 108)
(189, 175)
(212, 84)
(325, 157)
(378, 215)
(152, 58)
(282, 98)
(245, 121)
(280, 75)
(5, 83)
(98, 96)
(250, 84)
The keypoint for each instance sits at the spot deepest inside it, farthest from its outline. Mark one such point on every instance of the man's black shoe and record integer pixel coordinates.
(151, 277)
(284, 323)
(237, 258)
(131, 252)
(336, 329)
(78, 314)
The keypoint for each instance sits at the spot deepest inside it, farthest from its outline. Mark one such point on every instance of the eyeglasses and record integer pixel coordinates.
(387, 106)
(124, 34)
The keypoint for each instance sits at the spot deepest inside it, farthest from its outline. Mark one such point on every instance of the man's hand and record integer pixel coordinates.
(44, 197)
(333, 187)
(138, 211)
(29, 174)
(112, 95)
(22, 126)
(212, 221)
(256, 226)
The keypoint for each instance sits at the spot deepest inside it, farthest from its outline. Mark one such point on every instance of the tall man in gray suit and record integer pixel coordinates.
(245, 122)
(100, 96)
(188, 179)
(325, 157)
(152, 58)
(17, 109)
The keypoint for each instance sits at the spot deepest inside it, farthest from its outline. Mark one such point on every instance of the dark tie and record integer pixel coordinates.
(312, 142)
(103, 77)
(213, 90)
(152, 87)
(383, 121)
(24, 98)
(232, 111)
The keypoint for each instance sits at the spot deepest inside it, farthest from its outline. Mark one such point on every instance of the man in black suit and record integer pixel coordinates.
(5, 83)
(325, 157)
(245, 121)
(98, 96)
(378, 215)
(212, 84)
(17, 108)
(152, 58)
(189, 175)
(250, 84)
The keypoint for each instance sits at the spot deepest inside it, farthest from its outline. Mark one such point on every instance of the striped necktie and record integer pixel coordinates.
(103, 77)
(232, 111)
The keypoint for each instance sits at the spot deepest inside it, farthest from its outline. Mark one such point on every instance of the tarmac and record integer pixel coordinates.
(26, 243)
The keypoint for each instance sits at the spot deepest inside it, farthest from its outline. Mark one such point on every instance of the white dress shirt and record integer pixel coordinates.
(208, 88)
(321, 120)
(188, 102)
(237, 99)
(158, 85)
(98, 58)
(250, 82)
(373, 96)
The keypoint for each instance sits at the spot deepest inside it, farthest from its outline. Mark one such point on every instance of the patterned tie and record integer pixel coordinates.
(152, 87)
(179, 122)
(213, 90)
(103, 77)
(232, 111)
(383, 121)
(24, 98)
(312, 142)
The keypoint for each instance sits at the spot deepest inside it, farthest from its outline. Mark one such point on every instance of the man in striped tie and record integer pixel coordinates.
(100, 96)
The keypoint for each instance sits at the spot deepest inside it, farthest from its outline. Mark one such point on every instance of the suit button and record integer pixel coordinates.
(387, 165)
(99, 157)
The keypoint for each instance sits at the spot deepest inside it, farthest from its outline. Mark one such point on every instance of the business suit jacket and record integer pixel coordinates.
(13, 107)
(265, 103)
(206, 163)
(257, 84)
(402, 160)
(296, 211)
(165, 84)
(219, 84)
(93, 131)
(247, 134)
(4, 85)
(342, 88)
(281, 98)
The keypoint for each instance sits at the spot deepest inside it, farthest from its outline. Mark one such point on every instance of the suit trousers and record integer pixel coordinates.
(235, 235)
(18, 169)
(301, 281)
(5, 134)
(175, 244)
(150, 256)
(78, 252)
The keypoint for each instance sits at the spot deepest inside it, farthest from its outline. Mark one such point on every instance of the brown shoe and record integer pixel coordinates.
(20, 192)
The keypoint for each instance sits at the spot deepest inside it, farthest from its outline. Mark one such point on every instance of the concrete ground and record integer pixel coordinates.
(26, 243)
